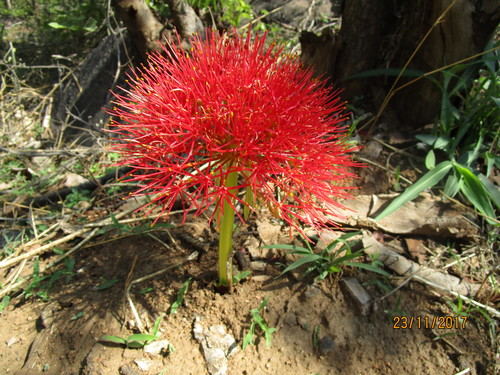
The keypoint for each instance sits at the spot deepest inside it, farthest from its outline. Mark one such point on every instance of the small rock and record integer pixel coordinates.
(269, 230)
(261, 278)
(326, 345)
(156, 347)
(311, 291)
(217, 345)
(128, 370)
(358, 294)
(131, 324)
(303, 323)
(252, 245)
(258, 265)
(144, 364)
(12, 341)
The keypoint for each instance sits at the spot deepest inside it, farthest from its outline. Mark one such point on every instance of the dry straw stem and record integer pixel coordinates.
(469, 209)
(42, 249)
(129, 283)
(367, 161)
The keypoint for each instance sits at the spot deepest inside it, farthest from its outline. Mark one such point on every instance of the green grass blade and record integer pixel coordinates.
(113, 339)
(287, 247)
(369, 267)
(427, 181)
(180, 297)
(249, 337)
(141, 337)
(492, 190)
(345, 258)
(452, 186)
(263, 303)
(475, 192)
(156, 326)
(299, 262)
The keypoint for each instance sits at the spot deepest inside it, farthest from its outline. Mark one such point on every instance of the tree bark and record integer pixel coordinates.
(145, 28)
(385, 33)
(142, 24)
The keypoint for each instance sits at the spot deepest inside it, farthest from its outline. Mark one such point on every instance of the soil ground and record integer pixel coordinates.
(319, 328)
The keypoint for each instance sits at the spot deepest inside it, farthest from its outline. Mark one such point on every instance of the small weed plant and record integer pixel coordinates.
(258, 320)
(41, 284)
(4, 303)
(180, 297)
(137, 340)
(466, 136)
(330, 260)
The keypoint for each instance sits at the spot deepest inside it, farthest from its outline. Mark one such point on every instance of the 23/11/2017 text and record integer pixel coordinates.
(439, 322)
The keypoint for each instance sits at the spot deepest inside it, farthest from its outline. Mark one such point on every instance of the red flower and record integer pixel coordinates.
(234, 105)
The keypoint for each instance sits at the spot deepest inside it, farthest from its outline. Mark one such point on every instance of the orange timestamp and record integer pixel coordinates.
(426, 322)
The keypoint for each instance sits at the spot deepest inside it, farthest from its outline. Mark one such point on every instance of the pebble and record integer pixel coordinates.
(258, 265)
(311, 291)
(261, 278)
(156, 347)
(217, 345)
(326, 345)
(144, 364)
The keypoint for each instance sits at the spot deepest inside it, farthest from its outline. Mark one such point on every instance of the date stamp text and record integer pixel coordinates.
(425, 322)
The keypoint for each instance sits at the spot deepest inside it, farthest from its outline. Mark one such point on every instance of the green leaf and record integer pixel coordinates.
(91, 25)
(491, 160)
(440, 143)
(77, 316)
(4, 303)
(141, 337)
(368, 267)
(452, 186)
(263, 303)
(427, 181)
(475, 192)
(299, 262)
(491, 188)
(180, 297)
(430, 160)
(241, 276)
(156, 326)
(106, 284)
(287, 247)
(249, 337)
(346, 257)
(56, 25)
(146, 290)
(114, 339)
(268, 335)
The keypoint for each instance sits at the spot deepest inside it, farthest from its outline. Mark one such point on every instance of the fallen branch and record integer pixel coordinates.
(406, 267)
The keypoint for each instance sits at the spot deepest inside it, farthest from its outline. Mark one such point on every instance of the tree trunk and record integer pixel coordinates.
(385, 33)
(147, 31)
(142, 24)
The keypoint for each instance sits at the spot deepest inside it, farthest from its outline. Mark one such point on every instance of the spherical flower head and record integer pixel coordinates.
(233, 104)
